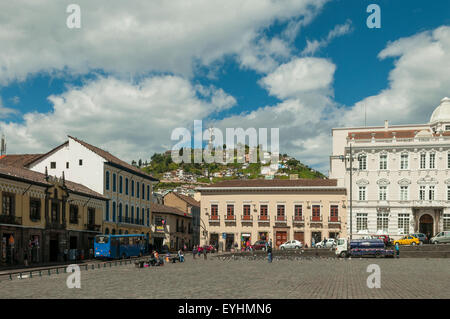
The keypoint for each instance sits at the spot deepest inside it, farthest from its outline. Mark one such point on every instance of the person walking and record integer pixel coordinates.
(269, 252)
(180, 256)
(397, 249)
(194, 251)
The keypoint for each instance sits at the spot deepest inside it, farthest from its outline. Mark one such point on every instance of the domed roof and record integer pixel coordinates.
(442, 112)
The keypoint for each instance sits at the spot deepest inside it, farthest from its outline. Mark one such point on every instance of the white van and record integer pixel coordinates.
(441, 238)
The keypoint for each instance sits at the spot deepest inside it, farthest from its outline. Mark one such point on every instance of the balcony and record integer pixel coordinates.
(10, 219)
(214, 218)
(92, 227)
(298, 220)
(230, 218)
(247, 218)
(263, 219)
(429, 203)
(334, 220)
(280, 219)
(316, 219)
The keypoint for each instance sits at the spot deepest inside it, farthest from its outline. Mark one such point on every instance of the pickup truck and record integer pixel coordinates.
(362, 247)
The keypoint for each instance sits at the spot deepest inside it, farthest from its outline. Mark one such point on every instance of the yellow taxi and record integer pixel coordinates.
(407, 240)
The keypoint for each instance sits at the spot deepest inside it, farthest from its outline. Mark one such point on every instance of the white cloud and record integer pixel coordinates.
(140, 37)
(420, 79)
(338, 31)
(299, 76)
(130, 120)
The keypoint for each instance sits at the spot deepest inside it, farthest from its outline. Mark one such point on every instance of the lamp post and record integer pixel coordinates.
(350, 158)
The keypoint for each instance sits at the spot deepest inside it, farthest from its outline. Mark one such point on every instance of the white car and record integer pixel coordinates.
(331, 242)
(291, 244)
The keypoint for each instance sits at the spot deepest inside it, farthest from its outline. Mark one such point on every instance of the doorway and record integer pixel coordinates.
(214, 240)
(157, 243)
(281, 238)
(426, 225)
(229, 242)
(53, 249)
(300, 236)
(316, 237)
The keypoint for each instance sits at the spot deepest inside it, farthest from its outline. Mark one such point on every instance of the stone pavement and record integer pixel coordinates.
(213, 278)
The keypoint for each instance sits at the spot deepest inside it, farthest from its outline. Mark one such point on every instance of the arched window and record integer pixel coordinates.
(148, 192)
(126, 185)
(126, 214)
(107, 180)
(137, 215)
(143, 215)
(114, 211)
(113, 232)
(132, 214)
(132, 188)
(120, 184)
(137, 189)
(120, 231)
(107, 212)
(114, 182)
(143, 191)
(148, 216)
(106, 231)
(120, 212)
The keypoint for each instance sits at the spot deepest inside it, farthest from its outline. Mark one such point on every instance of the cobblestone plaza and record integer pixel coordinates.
(406, 278)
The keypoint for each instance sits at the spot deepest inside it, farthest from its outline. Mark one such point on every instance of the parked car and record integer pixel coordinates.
(407, 240)
(441, 238)
(291, 244)
(331, 242)
(259, 245)
(386, 239)
(422, 237)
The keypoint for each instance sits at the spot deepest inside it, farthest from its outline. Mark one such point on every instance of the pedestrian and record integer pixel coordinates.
(269, 253)
(180, 256)
(397, 249)
(194, 251)
(313, 242)
(184, 247)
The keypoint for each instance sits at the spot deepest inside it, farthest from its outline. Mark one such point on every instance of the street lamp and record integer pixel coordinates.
(344, 159)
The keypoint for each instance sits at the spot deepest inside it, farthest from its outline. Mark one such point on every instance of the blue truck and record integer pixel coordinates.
(362, 247)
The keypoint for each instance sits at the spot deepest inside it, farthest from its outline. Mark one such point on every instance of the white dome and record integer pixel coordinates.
(442, 112)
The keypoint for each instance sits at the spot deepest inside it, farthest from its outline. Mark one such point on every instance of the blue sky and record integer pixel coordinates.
(220, 59)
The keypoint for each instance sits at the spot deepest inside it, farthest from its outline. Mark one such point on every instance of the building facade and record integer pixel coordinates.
(401, 175)
(234, 212)
(188, 205)
(43, 217)
(128, 188)
(171, 227)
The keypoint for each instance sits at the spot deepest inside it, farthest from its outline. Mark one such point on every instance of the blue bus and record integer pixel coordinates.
(120, 246)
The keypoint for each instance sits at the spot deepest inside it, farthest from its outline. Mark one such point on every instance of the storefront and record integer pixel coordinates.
(246, 240)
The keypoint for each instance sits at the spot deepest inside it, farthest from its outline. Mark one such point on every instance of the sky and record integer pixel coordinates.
(136, 70)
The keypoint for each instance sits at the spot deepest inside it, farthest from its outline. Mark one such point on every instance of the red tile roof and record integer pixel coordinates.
(19, 160)
(275, 183)
(28, 175)
(187, 199)
(163, 209)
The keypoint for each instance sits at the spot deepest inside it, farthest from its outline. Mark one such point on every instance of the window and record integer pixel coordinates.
(446, 222)
(431, 193)
(126, 185)
(148, 216)
(334, 213)
(447, 127)
(422, 191)
(107, 211)
(132, 188)
(54, 212)
(383, 193)
(132, 215)
(137, 215)
(280, 212)
(67, 165)
(137, 189)
(404, 161)
(114, 182)
(263, 212)
(230, 211)
(148, 192)
(120, 212)
(383, 161)
(80, 162)
(126, 213)
(361, 221)
(114, 212)
(432, 160)
(316, 213)
(362, 192)
(120, 184)
(143, 215)
(73, 214)
(403, 192)
(403, 223)
(362, 162)
(214, 211)
(8, 201)
(448, 192)
(298, 214)
(35, 209)
(382, 221)
(52, 164)
(246, 212)
(143, 191)
(107, 180)
(423, 157)
(448, 160)
(91, 216)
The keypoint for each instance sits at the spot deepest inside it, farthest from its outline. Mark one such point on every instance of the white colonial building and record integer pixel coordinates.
(401, 175)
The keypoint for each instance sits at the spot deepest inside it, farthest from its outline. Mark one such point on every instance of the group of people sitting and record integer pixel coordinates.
(157, 260)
